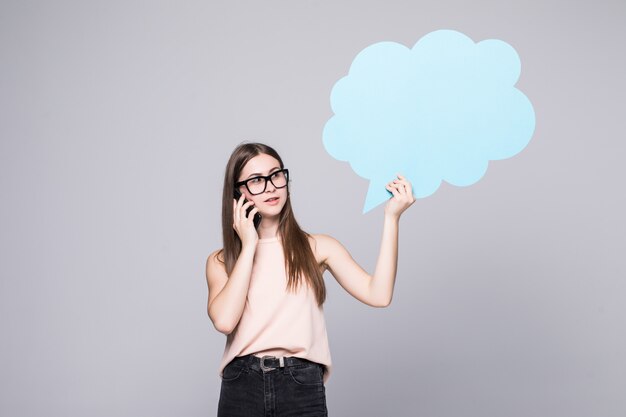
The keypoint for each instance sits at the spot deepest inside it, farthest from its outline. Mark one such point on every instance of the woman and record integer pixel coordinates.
(266, 289)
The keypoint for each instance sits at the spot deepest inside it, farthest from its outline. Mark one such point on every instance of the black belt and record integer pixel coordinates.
(269, 363)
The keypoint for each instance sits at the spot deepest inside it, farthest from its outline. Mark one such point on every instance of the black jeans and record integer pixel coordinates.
(295, 390)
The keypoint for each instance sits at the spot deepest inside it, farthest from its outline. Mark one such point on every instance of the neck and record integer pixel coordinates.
(268, 228)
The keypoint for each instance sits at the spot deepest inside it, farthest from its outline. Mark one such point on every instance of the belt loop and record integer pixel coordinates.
(248, 363)
(285, 364)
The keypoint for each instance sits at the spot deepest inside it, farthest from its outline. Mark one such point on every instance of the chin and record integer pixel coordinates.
(272, 212)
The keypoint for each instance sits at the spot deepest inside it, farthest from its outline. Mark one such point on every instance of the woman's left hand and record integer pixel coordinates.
(402, 196)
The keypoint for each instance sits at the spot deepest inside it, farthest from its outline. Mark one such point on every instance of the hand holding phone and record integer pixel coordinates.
(257, 217)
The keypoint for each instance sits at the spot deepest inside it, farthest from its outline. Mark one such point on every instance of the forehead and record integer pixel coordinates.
(262, 164)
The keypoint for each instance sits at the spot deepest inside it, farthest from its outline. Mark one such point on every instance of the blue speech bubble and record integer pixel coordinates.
(437, 112)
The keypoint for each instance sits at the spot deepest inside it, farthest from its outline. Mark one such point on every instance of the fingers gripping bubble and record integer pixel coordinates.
(437, 112)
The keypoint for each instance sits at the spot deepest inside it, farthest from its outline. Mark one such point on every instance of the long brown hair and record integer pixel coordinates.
(300, 261)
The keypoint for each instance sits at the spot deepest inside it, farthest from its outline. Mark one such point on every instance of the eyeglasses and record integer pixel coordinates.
(257, 185)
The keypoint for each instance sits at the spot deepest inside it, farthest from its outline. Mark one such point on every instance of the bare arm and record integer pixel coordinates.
(227, 294)
(375, 290)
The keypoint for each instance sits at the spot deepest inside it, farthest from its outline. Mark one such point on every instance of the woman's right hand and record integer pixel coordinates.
(244, 225)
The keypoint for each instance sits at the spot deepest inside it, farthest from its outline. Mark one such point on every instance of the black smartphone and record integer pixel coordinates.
(257, 216)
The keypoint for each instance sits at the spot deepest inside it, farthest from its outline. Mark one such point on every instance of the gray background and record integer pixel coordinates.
(117, 119)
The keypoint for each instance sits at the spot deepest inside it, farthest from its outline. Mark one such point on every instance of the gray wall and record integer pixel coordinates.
(117, 119)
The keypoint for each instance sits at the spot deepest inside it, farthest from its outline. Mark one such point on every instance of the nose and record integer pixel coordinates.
(269, 187)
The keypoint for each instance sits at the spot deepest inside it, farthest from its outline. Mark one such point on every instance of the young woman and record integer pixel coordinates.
(266, 289)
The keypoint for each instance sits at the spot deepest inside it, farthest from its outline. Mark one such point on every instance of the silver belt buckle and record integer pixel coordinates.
(266, 368)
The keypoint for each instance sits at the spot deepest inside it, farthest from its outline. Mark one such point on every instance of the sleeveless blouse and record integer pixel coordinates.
(277, 321)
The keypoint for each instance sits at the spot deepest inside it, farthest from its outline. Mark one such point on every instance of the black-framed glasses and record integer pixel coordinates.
(258, 185)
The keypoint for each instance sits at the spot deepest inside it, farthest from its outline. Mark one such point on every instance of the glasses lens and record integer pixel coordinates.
(279, 179)
(256, 185)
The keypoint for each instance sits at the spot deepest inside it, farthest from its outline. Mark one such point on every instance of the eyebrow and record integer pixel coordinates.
(259, 174)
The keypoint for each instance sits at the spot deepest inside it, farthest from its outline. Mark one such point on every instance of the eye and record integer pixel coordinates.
(256, 180)
(278, 174)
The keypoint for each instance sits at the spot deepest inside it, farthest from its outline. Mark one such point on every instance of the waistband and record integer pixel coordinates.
(269, 363)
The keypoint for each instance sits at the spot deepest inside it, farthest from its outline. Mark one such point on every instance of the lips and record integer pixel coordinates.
(269, 200)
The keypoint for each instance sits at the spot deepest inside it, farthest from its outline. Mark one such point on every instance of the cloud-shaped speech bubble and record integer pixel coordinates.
(437, 112)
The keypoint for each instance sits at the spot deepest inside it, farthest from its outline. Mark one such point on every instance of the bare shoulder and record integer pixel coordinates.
(323, 245)
(216, 256)
(215, 264)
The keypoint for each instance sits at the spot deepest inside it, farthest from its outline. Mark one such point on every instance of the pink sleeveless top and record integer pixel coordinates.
(276, 321)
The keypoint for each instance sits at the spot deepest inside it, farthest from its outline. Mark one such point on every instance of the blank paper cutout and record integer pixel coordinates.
(439, 111)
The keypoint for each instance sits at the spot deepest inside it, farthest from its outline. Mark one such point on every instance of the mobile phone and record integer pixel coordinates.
(257, 216)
